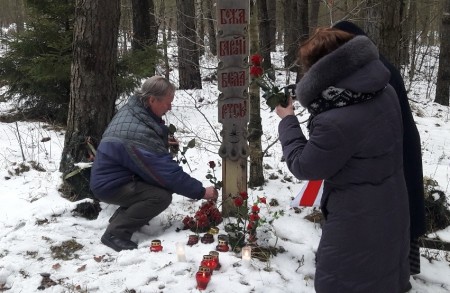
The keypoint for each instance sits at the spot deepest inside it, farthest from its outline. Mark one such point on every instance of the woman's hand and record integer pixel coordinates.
(285, 111)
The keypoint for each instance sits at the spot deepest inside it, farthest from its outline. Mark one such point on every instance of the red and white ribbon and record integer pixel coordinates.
(309, 195)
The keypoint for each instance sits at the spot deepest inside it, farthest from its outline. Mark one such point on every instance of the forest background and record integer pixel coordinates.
(72, 63)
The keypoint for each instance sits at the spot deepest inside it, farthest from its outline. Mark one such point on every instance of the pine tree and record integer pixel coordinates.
(36, 64)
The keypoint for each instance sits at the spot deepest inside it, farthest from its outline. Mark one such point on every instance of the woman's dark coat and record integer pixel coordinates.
(358, 150)
(412, 152)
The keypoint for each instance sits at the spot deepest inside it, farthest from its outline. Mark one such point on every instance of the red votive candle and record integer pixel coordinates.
(222, 246)
(156, 246)
(207, 238)
(193, 239)
(208, 262)
(203, 276)
(215, 258)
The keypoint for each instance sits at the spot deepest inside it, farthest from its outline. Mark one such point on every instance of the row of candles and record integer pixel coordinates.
(222, 245)
(209, 262)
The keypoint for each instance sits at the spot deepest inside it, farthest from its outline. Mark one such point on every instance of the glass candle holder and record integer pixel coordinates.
(207, 238)
(208, 261)
(192, 240)
(156, 246)
(213, 230)
(222, 237)
(246, 255)
(203, 276)
(215, 258)
(222, 246)
(181, 253)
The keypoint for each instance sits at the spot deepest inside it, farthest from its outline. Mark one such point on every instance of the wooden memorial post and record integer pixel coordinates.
(233, 77)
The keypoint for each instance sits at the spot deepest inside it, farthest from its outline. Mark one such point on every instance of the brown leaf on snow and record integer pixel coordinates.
(56, 266)
(82, 268)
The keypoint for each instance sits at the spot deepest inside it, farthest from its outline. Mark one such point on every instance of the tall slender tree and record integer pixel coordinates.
(188, 54)
(314, 14)
(390, 30)
(290, 33)
(145, 31)
(256, 174)
(93, 87)
(266, 42)
(272, 14)
(211, 27)
(303, 28)
(443, 78)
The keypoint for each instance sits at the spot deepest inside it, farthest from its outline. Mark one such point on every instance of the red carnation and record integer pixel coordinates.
(253, 217)
(244, 195)
(250, 226)
(262, 200)
(256, 59)
(256, 71)
(238, 201)
(212, 164)
(255, 209)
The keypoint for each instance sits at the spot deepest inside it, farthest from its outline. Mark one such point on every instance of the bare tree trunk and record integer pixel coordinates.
(291, 35)
(200, 27)
(265, 43)
(256, 177)
(280, 22)
(211, 27)
(372, 17)
(412, 52)
(314, 15)
(303, 28)
(163, 19)
(272, 15)
(142, 36)
(188, 56)
(93, 89)
(390, 30)
(443, 78)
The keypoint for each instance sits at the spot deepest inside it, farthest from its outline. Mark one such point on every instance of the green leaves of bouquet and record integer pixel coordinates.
(273, 94)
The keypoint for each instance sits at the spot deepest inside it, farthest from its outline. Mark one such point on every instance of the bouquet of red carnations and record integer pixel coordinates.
(206, 217)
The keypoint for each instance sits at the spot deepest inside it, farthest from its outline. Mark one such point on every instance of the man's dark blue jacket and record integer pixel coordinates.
(135, 147)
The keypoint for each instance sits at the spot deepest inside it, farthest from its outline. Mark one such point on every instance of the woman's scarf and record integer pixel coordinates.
(334, 97)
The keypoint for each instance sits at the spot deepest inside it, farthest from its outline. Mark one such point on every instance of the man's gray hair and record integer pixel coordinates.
(156, 86)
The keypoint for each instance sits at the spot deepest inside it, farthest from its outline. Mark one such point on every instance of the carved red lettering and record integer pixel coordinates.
(229, 79)
(233, 16)
(232, 47)
(238, 110)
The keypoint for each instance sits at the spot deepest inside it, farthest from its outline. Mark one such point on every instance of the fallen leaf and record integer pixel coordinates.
(82, 268)
(56, 266)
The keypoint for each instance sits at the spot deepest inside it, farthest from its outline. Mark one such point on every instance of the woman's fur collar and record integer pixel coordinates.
(335, 66)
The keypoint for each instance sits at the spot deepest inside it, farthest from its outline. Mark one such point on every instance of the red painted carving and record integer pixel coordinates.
(233, 16)
(234, 110)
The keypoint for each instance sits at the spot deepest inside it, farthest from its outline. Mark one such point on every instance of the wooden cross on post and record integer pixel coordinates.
(233, 76)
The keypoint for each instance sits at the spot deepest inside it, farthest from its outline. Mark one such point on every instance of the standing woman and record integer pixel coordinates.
(355, 144)
(412, 156)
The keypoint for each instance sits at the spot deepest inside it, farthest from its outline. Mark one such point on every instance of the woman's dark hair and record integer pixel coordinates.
(322, 42)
